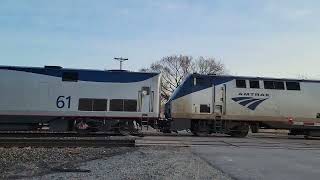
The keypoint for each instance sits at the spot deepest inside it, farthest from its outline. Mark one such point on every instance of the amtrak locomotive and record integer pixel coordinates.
(62, 99)
(231, 104)
(59, 99)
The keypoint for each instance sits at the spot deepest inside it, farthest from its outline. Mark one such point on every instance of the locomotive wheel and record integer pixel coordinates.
(126, 128)
(81, 127)
(307, 135)
(124, 132)
(254, 128)
(201, 133)
(200, 128)
(240, 131)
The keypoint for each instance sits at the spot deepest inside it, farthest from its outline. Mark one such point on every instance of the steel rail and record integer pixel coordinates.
(66, 142)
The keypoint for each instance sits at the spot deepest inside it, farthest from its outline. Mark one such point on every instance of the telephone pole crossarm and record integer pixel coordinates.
(121, 60)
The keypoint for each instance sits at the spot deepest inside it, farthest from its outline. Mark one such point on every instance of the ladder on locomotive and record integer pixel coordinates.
(144, 121)
(219, 125)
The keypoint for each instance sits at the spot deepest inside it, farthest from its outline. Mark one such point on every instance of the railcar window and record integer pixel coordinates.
(279, 85)
(204, 108)
(116, 105)
(100, 104)
(254, 84)
(293, 86)
(130, 105)
(85, 104)
(269, 84)
(241, 84)
(70, 76)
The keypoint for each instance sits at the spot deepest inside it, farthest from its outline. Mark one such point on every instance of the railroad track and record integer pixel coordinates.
(106, 134)
(65, 142)
(250, 142)
(54, 139)
(74, 139)
(256, 146)
(34, 134)
(226, 144)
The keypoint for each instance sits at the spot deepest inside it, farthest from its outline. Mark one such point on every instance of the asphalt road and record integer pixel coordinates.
(262, 156)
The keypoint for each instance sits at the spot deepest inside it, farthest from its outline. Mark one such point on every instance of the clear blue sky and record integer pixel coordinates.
(252, 37)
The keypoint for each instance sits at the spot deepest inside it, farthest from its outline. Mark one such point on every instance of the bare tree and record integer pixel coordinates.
(175, 68)
(208, 66)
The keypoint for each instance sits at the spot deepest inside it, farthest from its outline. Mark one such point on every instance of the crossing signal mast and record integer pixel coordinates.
(121, 60)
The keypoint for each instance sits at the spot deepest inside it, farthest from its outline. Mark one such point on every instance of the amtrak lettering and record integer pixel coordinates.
(254, 94)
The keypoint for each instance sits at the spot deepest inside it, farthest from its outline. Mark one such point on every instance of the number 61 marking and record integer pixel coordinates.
(61, 102)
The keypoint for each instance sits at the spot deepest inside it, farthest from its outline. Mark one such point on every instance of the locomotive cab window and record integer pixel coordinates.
(241, 84)
(70, 76)
(254, 84)
(293, 86)
(202, 82)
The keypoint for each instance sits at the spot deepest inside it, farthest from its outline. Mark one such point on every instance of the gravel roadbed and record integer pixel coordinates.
(147, 163)
(151, 162)
(18, 163)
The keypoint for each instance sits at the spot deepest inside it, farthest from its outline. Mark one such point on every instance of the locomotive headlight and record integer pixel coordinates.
(144, 92)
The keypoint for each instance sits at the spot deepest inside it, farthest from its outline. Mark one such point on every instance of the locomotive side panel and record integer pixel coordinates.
(272, 104)
(34, 95)
(252, 104)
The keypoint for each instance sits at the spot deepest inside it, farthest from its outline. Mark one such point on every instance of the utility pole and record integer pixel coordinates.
(121, 59)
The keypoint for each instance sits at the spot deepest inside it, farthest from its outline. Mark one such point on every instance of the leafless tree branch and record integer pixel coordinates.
(176, 67)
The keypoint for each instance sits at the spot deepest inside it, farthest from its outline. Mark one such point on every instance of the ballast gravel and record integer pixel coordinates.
(17, 163)
(150, 162)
